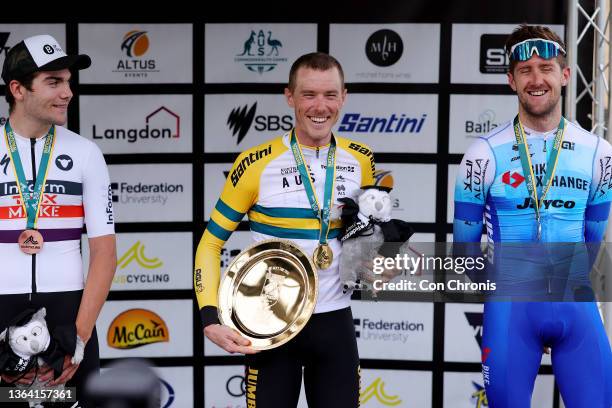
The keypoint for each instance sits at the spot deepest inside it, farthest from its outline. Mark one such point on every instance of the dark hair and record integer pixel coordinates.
(319, 61)
(26, 81)
(525, 32)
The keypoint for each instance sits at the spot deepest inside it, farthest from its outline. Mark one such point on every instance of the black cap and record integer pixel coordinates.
(39, 53)
(377, 187)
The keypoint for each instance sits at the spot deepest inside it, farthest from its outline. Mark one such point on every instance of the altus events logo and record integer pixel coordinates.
(135, 45)
(261, 52)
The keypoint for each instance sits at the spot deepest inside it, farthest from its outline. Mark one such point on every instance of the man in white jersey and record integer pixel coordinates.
(52, 182)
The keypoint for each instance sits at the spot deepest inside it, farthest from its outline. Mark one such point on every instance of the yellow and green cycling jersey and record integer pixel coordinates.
(265, 184)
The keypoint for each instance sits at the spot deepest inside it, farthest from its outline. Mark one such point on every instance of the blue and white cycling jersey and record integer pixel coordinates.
(491, 182)
(491, 185)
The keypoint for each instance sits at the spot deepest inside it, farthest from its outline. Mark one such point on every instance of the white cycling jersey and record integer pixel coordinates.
(77, 192)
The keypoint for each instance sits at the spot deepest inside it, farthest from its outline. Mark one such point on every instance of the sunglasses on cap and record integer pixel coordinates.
(524, 50)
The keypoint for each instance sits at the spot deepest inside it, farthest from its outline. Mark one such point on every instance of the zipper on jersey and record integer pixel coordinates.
(33, 154)
(317, 152)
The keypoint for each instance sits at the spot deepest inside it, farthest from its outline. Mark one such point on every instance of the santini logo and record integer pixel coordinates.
(135, 328)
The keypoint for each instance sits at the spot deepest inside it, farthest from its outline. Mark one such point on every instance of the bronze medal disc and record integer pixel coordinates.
(30, 241)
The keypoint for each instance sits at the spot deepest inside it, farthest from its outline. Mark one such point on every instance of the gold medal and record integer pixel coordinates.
(323, 256)
(30, 241)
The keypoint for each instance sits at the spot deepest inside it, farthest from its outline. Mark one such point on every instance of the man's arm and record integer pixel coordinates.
(102, 265)
(598, 205)
(99, 219)
(475, 175)
(238, 196)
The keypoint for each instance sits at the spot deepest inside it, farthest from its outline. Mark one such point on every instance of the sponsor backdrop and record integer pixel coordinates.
(171, 102)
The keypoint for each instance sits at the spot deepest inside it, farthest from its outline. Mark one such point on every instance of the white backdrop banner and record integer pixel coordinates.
(391, 123)
(237, 53)
(387, 52)
(138, 123)
(477, 55)
(137, 53)
(146, 328)
(152, 192)
(234, 122)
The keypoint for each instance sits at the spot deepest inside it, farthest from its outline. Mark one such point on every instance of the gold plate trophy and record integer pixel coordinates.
(268, 293)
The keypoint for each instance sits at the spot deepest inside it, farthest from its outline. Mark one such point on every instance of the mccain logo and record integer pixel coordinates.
(135, 328)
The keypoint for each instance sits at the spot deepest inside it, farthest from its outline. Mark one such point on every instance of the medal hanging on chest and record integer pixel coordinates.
(551, 168)
(30, 240)
(323, 255)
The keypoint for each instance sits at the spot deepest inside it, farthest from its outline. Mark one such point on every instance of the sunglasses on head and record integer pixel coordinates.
(524, 50)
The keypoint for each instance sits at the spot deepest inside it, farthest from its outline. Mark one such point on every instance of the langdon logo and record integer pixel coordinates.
(260, 52)
(493, 58)
(162, 123)
(241, 118)
(384, 48)
(136, 254)
(377, 390)
(513, 179)
(136, 328)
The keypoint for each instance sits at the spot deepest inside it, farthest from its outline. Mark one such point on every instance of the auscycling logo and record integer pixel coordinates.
(377, 390)
(135, 257)
(135, 44)
(261, 52)
(161, 124)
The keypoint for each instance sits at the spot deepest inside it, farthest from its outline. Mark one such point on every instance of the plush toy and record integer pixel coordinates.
(27, 343)
(368, 232)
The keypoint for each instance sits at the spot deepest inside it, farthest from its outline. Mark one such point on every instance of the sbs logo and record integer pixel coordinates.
(135, 328)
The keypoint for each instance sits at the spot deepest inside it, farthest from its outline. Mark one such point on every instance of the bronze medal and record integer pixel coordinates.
(30, 241)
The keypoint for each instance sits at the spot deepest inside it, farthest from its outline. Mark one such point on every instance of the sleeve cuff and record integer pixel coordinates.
(209, 315)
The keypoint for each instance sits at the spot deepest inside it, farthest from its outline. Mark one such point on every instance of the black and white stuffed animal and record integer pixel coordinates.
(27, 343)
(368, 232)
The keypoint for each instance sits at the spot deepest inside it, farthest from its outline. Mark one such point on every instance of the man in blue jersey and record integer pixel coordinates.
(538, 179)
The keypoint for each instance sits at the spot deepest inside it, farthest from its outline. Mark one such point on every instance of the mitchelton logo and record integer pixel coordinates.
(135, 328)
